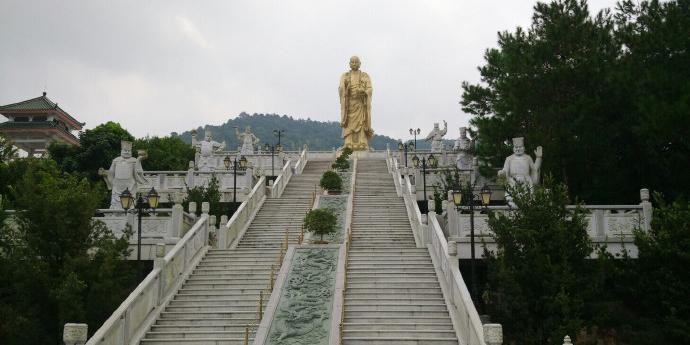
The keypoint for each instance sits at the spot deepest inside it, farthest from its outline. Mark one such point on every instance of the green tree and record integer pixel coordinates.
(321, 221)
(552, 84)
(7, 150)
(330, 180)
(654, 75)
(165, 153)
(537, 279)
(658, 282)
(98, 147)
(56, 264)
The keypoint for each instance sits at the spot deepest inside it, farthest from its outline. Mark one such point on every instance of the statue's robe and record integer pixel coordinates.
(355, 117)
(124, 173)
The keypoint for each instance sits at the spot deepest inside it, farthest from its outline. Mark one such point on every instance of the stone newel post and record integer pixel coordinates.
(74, 333)
(646, 209)
(493, 334)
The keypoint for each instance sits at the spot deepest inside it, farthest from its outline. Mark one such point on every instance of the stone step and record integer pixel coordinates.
(250, 314)
(200, 328)
(396, 333)
(198, 341)
(406, 295)
(354, 312)
(238, 308)
(195, 334)
(440, 326)
(399, 341)
(394, 301)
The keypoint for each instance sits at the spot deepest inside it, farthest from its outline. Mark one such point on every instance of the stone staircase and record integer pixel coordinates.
(392, 293)
(220, 297)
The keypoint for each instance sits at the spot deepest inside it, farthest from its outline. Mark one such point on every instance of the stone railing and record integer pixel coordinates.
(281, 181)
(172, 185)
(468, 326)
(301, 162)
(393, 168)
(132, 318)
(168, 224)
(612, 225)
(415, 216)
(229, 232)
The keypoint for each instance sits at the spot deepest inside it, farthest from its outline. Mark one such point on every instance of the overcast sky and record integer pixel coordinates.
(162, 66)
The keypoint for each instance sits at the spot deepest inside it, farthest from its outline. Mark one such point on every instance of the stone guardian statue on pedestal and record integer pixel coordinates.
(519, 167)
(125, 173)
(436, 137)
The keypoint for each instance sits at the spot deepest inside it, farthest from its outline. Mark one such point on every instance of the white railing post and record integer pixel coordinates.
(176, 221)
(493, 334)
(646, 210)
(75, 333)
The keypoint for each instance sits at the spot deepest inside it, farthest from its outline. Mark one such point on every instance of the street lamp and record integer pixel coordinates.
(273, 149)
(466, 199)
(243, 164)
(278, 132)
(433, 163)
(415, 132)
(405, 147)
(140, 206)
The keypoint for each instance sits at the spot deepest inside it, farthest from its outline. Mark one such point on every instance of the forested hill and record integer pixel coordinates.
(317, 135)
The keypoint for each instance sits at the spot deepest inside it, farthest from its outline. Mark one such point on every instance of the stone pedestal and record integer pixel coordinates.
(493, 334)
(75, 333)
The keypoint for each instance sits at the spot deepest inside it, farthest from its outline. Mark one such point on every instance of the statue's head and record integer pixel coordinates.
(463, 132)
(207, 135)
(247, 129)
(519, 146)
(436, 125)
(125, 149)
(355, 63)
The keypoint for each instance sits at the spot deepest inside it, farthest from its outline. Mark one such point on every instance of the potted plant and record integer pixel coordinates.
(321, 221)
(331, 182)
(341, 163)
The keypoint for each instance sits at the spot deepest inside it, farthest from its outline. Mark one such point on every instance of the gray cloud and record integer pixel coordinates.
(162, 66)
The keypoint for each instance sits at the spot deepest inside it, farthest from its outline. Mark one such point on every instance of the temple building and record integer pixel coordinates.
(36, 123)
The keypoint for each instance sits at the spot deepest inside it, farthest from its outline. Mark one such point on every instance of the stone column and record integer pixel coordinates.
(75, 333)
(160, 254)
(453, 223)
(646, 210)
(192, 208)
(176, 221)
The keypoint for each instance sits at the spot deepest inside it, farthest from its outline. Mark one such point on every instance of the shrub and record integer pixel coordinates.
(321, 221)
(346, 152)
(331, 181)
(341, 163)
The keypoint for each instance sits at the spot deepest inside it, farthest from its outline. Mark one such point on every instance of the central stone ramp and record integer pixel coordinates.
(220, 297)
(392, 293)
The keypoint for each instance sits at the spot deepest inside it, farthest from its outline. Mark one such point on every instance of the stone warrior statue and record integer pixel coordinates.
(519, 167)
(355, 107)
(248, 140)
(125, 173)
(436, 137)
(206, 148)
(463, 160)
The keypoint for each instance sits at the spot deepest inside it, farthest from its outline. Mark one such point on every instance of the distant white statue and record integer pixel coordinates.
(463, 160)
(206, 148)
(248, 140)
(436, 137)
(125, 173)
(519, 167)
